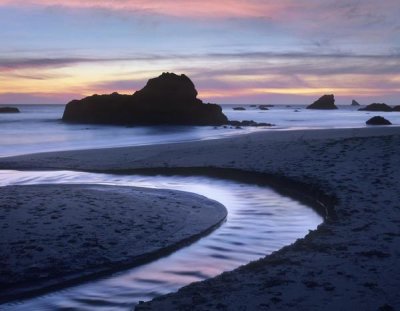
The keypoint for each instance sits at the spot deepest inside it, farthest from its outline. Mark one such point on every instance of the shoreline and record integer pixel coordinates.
(349, 262)
(59, 159)
(242, 132)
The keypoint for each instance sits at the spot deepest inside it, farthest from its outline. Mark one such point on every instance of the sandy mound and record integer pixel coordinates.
(57, 233)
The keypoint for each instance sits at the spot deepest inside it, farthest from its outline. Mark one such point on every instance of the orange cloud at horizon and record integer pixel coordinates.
(86, 78)
(85, 87)
(89, 81)
(182, 8)
(362, 92)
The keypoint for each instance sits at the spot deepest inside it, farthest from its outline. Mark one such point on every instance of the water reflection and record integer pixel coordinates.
(259, 222)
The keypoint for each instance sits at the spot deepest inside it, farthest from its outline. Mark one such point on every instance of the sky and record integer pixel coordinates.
(235, 51)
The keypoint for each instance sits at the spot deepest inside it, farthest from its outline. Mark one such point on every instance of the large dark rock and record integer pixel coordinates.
(354, 103)
(9, 110)
(325, 102)
(167, 99)
(396, 108)
(376, 107)
(378, 120)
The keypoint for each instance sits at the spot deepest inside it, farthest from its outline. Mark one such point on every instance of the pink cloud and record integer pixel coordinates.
(182, 8)
(289, 9)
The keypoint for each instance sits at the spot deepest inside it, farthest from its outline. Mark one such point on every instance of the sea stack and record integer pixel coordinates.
(377, 107)
(325, 102)
(9, 110)
(354, 103)
(168, 99)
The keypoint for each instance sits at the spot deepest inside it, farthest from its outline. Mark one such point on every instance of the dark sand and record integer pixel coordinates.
(55, 234)
(350, 262)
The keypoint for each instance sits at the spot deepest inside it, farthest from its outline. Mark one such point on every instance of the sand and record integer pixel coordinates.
(350, 261)
(56, 234)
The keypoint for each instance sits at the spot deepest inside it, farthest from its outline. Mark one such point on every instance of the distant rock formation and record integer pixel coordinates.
(167, 99)
(378, 120)
(325, 102)
(239, 108)
(377, 107)
(396, 108)
(9, 110)
(265, 106)
(354, 103)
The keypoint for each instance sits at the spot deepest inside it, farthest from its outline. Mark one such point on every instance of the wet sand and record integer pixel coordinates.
(350, 261)
(58, 234)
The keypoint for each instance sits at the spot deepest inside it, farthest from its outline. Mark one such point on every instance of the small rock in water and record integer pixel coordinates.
(9, 110)
(378, 120)
(264, 107)
(248, 123)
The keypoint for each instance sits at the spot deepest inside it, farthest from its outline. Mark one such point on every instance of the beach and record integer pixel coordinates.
(58, 235)
(349, 261)
(178, 155)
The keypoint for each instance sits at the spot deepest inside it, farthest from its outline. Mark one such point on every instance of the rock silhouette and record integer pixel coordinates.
(167, 99)
(376, 107)
(325, 102)
(264, 107)
(9, 110)
(378, 120)
(239, 108)
(248, 123)
(396, 108)
(354, 103)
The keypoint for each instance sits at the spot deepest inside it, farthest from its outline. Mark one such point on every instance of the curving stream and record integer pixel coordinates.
(259, 222)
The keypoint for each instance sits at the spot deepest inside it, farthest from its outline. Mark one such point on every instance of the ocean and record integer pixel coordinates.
(38, 128)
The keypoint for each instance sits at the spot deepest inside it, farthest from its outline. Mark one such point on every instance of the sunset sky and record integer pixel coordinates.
(255, 51)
